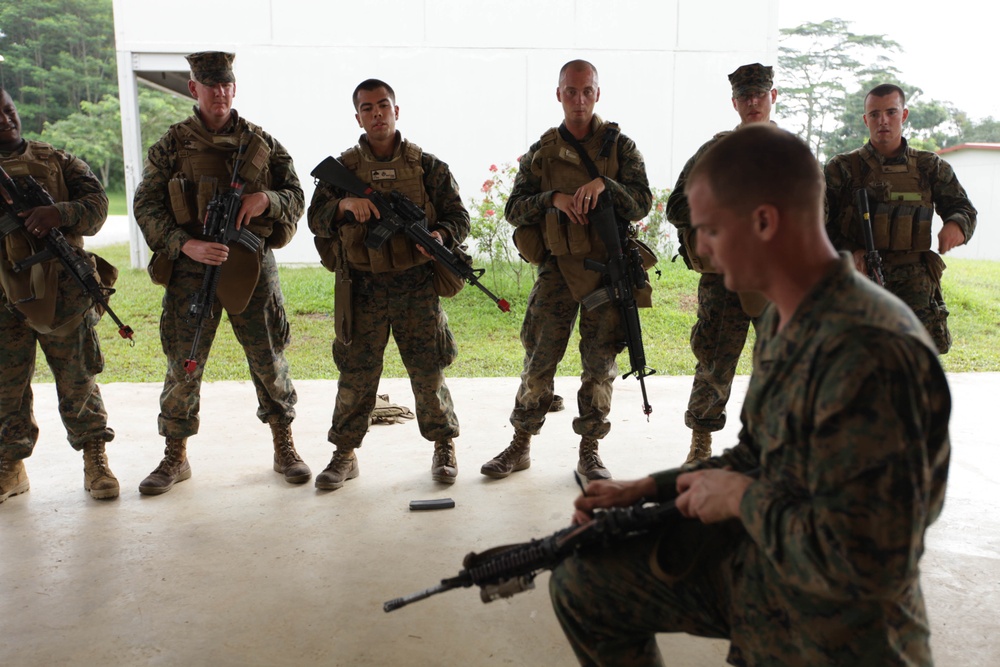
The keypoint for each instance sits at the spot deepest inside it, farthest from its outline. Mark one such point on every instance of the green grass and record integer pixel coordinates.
(489, 343)
(117, 204)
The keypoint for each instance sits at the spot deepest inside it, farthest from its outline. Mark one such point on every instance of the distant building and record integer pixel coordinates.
(475, 81)
(978, 169)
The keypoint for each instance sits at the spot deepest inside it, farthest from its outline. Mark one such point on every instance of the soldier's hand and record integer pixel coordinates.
(362, 209)
(564, 203)
(252, 206)
(602, 494)
(40, 219)
(859, 261)
(950, 236)
(585, 199)
(206, 252)
(711, 495)
(437, 236)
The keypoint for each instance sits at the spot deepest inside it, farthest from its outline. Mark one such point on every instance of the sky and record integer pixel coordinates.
(949, 48)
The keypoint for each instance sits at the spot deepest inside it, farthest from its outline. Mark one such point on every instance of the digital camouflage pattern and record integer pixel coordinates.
(551, 311)
(403, 304)
(212, 67)
(846, 425)
(75, 358)
(262, 328)
(754, 78)
(918, 283)
(720, 332)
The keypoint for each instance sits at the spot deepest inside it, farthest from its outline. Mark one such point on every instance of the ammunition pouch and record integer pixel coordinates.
(530, 244)
(689, 239)
(447, 283)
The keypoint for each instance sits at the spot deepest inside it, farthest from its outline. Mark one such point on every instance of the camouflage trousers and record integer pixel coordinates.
(262, 329)
(611, 602)
(405, 305)
(717, 340)
(918, 284)
(548, 323)
(75, 360)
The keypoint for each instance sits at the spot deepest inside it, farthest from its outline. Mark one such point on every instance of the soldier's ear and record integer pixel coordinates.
(765, 219)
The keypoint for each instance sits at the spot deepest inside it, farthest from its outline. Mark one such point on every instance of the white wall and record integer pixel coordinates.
(978, 170)
(475, 81)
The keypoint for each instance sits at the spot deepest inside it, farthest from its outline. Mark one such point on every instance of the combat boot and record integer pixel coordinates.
(516, 457)
(97, 476)
(13, 478)
(172, 469)
(444, 467)
(557, 405)
(286, 460)
(343, 466)
(701, 446)
(590, 464)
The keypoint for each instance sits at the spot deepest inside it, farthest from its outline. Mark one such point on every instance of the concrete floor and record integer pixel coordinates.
(236, 567)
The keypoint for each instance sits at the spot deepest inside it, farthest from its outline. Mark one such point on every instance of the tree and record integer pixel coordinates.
(94, 133)
(57, 54)
(818, 64)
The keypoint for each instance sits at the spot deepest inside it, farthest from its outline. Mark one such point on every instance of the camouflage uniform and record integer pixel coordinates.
(403, 303)
(75, 355)
(261, 328)
(552, 307)
(720, 332)
(913, 273)
(846, 423)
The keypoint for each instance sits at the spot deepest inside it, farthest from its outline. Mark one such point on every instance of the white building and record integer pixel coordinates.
(977, 167)
(475, 82)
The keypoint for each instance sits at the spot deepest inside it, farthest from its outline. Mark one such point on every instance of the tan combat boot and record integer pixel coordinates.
(444, 467)
(343, 466)
(97, 476)
(172, 469)
(13, 478)
(286, 460)
(590, 464)
(701, 446)
(516, 457)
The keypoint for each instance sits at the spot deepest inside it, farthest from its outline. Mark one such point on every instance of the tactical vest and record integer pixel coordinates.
(403, 174)
(900, 200)
(560, 169)
(204, 165)
(35, 290)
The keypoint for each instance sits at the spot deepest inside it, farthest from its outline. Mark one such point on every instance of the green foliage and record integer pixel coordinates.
(57, 54)
(654, 229)
(490, 232)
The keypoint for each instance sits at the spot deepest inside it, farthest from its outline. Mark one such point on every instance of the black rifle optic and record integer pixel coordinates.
(502, 572)
(56, 246)
(873, 261)
(219, 227)
(398, 213)
(623, 273)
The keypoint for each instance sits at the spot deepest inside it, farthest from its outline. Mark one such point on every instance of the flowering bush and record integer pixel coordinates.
(490, 230)
(655, 229)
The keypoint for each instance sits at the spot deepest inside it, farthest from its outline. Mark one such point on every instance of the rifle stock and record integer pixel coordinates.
(56, 246)
(873, 261)
(623, 273)
(398, 213)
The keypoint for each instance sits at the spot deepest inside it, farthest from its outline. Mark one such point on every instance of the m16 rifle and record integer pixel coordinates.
(220, 227)
(873, 261)
(398, 213)
(623, 272)
(504, 571)
(29, 195)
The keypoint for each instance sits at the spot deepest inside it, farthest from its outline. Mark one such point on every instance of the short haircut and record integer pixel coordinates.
(761, 164)
(578, 65)
(884, 89)
(370, 85)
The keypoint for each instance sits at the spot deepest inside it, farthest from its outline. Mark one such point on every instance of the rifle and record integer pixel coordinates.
(623, 272)
(56, 246)
(504, 571)
(219, 227)
(873, 261)
(398, 213)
